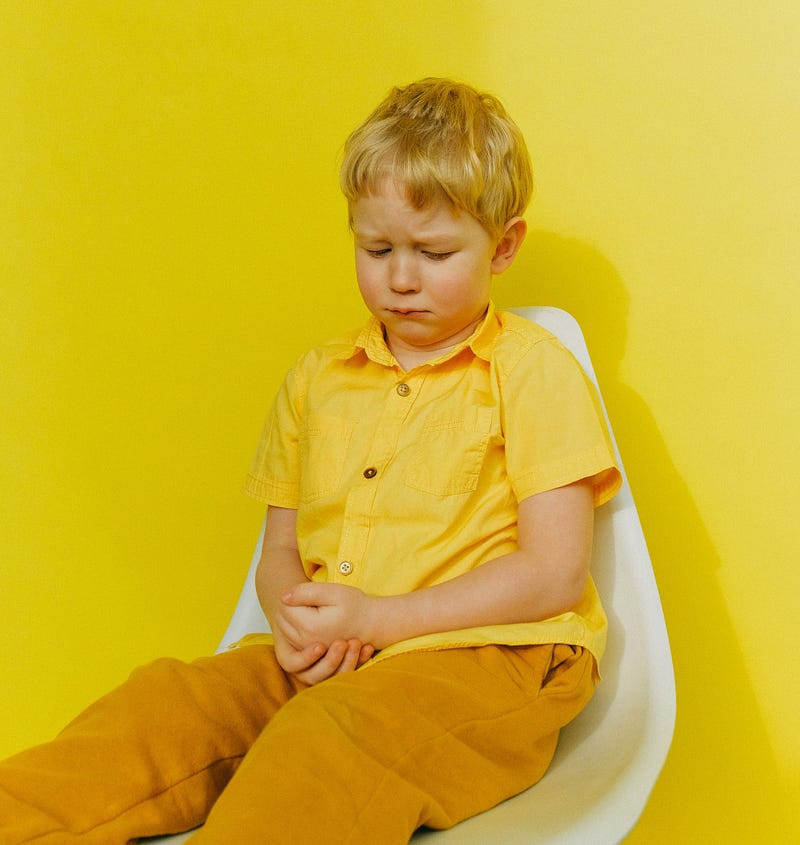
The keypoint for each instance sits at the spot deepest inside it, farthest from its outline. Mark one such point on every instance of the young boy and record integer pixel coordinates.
(430, 483)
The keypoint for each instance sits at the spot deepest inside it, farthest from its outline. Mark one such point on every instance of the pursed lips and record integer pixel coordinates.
(407, 312)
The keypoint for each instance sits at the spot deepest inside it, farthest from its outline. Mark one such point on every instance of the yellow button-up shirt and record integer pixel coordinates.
(403, 479)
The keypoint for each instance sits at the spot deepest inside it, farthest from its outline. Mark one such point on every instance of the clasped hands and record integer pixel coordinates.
(321, 630)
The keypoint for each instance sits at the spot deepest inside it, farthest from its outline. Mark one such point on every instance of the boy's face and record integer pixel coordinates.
(424, 273)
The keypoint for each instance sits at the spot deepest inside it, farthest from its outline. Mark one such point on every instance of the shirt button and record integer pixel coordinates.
(370, 472)
(403, 389)
(345, 567)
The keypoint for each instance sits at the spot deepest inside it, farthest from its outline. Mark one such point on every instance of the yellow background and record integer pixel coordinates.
(171, 237)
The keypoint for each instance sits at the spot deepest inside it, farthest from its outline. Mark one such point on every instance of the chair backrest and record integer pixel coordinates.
(608, 759)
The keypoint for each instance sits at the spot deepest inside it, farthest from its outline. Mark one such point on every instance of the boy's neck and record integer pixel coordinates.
(409, 357)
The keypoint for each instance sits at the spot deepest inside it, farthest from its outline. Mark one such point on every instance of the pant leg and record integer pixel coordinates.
(419, 739)
(149, 758)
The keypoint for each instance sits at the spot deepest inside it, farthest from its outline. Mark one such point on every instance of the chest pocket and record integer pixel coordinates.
(450, 453)
(324, 440)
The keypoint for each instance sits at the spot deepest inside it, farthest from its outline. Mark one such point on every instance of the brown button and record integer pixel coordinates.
(370, 472)
(403, 390)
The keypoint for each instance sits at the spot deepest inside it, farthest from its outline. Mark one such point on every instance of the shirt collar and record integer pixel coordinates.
(371, 341)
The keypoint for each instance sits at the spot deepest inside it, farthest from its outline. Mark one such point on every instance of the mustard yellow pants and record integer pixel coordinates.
(362, 758)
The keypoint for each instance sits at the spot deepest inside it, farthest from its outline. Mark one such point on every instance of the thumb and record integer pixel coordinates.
(307, 594)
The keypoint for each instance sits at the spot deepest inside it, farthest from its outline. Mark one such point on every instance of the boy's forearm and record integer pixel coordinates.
(280, 567)
(504, 591)
(280, 571)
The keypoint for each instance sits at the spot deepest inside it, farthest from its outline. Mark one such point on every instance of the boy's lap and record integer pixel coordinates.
(457, 683)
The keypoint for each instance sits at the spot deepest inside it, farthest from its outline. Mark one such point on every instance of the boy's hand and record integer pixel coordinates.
(313, 649)
(315, 612)
(314, 663)
(303, 653)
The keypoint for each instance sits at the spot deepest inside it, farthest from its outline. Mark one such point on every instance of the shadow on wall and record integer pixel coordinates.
(719, 727)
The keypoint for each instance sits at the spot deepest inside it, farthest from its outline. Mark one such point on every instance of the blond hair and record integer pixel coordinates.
(438, 136)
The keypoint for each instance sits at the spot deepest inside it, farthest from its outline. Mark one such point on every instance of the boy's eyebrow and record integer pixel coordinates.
(425, 239)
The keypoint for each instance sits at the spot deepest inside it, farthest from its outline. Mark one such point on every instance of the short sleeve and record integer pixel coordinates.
(554, 425)
(274, 476)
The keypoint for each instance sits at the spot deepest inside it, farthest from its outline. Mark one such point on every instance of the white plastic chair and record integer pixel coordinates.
(609, 758)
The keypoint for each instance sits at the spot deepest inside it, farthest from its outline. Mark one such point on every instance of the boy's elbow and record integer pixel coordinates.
(565, 595)
(550, 587)
(574, 588)
(572, 595)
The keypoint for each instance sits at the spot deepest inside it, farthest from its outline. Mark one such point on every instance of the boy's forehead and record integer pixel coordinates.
(421, 192)
(391, 204)
(419, 231)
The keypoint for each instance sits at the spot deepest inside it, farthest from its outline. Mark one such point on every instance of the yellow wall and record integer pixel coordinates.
(169, 212)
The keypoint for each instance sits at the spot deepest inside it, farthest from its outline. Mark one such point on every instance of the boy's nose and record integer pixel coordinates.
(402, 276)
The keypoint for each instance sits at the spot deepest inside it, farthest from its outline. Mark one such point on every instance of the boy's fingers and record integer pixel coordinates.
(296, 662)
(309, 594)
(327, 664)
(351, 657)
(298, 595)
(341, 656)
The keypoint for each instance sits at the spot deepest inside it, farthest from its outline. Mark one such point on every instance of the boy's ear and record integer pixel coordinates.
(508, 245)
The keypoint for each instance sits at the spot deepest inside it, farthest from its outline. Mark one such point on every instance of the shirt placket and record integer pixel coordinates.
(399, 396)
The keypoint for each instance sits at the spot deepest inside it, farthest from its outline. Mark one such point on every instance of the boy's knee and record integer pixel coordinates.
(164, 670)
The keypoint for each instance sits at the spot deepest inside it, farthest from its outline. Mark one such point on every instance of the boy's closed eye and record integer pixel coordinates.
(433, 256)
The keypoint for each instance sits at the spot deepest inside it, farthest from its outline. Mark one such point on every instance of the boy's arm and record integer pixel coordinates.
(280, 569)
(544, 577)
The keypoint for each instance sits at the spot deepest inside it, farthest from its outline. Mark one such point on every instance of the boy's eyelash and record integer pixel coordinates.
(434, 256)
